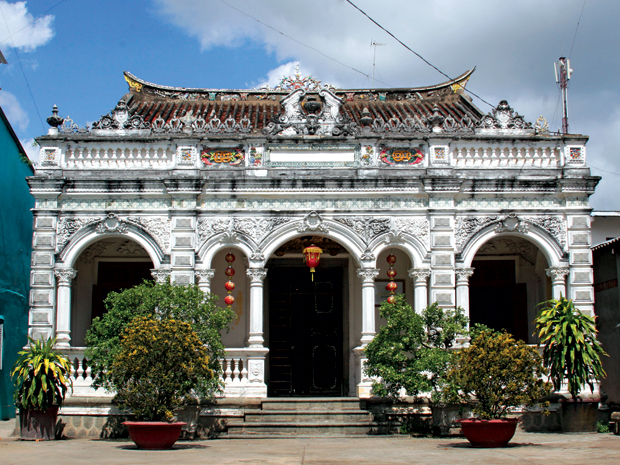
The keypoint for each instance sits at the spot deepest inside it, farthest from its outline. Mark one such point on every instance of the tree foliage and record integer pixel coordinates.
(159, 365)
(42, 376)
(160, 302)
(412, 351)
(499, 371)
(571, 350)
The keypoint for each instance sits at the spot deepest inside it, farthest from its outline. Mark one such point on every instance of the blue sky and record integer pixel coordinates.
(74, 55)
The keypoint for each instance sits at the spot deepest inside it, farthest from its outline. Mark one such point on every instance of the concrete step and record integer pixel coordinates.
(313, 415)
(309, 403)
(270, 429)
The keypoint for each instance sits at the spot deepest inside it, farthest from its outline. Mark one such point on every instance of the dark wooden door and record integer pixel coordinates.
(116, 276)
(496, 299)
(305, 331)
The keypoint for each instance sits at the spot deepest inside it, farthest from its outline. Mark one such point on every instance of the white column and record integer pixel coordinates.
(368, 276)
(462, 288)
(420, 288)
(256, 275)
(204, 279)
(63, 306)
(558, 280)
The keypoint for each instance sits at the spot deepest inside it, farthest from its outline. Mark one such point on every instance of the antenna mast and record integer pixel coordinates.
(374, 59)
(562, 76)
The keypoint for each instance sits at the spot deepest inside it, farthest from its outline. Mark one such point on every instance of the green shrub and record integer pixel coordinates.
(159, 365)
(41, 375)
(412, 351)
(160, 302)
(499, 371)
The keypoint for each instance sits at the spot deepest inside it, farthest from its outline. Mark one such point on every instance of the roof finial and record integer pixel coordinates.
(55, 120)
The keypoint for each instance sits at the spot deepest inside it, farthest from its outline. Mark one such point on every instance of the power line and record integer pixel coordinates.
(413, 51)
(22, 68)
(34, 21)
(576, 28)
(604, 171)
(300, 43)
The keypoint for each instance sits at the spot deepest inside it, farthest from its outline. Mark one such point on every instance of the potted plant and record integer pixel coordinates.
(411, 354)
(499, 373)
(158, 347)
(42, 376)
(572, 354)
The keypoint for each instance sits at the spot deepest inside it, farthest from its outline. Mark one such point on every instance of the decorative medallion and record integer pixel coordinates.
(313, 222)
(511, 223)
(400, 156)
(575, 155)
(186, 155)
(233, 156)
(255, 156)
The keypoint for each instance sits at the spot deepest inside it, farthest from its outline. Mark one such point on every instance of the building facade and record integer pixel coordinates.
(481, 210)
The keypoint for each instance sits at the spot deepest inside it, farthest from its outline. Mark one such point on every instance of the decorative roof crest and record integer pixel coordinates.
(504, 117)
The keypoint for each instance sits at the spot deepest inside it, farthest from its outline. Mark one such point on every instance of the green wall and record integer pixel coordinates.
(15, 248)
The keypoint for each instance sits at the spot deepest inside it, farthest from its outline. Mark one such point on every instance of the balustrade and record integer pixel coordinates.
(118, 158)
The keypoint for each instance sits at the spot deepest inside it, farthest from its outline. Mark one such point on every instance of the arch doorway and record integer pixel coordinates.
(306, 333)
(508, 283)
(108, 265)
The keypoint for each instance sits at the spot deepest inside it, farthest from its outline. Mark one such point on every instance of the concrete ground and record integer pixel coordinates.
(524, 449)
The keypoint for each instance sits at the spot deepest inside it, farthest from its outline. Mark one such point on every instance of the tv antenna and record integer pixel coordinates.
(562, 76)
(374, 59)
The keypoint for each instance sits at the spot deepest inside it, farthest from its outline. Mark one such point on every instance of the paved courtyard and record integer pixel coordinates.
(525, 449)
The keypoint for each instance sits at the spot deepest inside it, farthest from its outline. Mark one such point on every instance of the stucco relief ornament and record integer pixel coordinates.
(312, 222)
(160, 276)
(463, 274)
(257, 255)
(419, 275)
(65, 275)
(255, 370)
(368, 275)
(366, 227)
(511, 223)
(367, 255)
(111, 224)
(205, 276)
(557, 273)
(119, 118)
(158, 228)
(466, 227)
(504, 117)
(256, 275)
(67, 226)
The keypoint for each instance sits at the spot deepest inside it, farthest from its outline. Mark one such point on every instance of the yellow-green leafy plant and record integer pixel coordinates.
(497, 372)
(161, 364)
(571, 350)
(42, 376)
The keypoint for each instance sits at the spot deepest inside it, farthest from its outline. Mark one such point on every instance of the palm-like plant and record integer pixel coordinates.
(571, 350)
(41, 376)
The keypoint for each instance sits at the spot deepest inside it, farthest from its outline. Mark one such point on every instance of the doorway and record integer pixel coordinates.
(306, 331)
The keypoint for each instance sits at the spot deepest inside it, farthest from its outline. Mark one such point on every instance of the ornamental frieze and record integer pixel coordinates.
(417, 227)
(465, 227)
(400, 156)
(157, 227)
(255, 228)
(67, 226)
(233, 156)
(554, 225)
(366, 227)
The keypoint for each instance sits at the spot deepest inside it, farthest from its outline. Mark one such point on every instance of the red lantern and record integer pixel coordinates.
(391, 300)
(230, 272)
(230, 258)
(229, 285)
(391, 259)
(229, 300)
(391, 286)
(391, 273)
(312, 255)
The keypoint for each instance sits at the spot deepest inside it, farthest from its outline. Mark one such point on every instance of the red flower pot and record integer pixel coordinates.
(488, 433)
(154, 435)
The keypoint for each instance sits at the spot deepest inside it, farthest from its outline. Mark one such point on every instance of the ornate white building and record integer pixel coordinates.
(482, 211)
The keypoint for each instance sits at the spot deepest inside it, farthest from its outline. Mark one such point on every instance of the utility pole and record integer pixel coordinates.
(374, 59)
(562, 76)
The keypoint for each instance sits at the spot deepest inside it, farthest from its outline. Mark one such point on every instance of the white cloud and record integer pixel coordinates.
(26, 36)
(32, 150)
(13, 110)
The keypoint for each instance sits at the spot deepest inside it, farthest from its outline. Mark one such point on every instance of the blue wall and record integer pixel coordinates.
(15, 248)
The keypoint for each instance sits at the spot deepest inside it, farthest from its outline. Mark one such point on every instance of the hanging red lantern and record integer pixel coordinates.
(312, 256)
(391, 273)
(229, 285)
(391, 259)
(391, 300)
(391, 286)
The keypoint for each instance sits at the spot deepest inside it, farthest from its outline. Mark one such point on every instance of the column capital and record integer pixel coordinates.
(256, 275)
(161, 276)
(557, 273)
(419, 275)
(463, 275)
(65, 275)
(368, 275)
(205, 276)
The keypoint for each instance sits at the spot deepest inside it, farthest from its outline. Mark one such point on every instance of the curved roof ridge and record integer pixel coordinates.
(137, 84)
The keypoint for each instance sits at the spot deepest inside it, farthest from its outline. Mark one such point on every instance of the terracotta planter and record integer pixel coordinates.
(37, 425)
(489, 433)
(154, 435)
(578, 417)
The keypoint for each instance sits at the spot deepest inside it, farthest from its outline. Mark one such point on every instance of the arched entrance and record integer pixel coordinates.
(306, 331)
(508, 282)
(107, 265)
